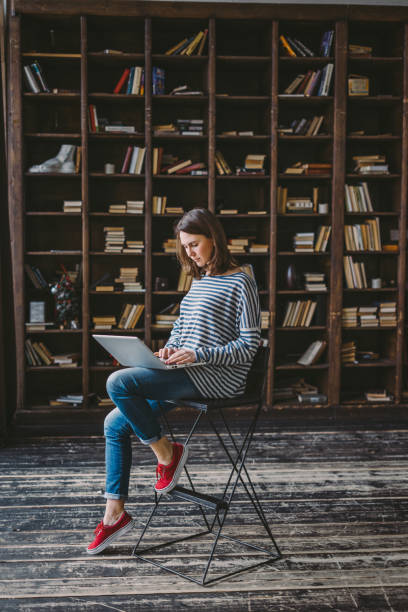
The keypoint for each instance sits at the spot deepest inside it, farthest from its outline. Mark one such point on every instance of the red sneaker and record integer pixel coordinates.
(168, 475)
(106, 534)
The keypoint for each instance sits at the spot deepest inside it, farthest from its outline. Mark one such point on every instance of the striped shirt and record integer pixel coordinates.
(220, 320)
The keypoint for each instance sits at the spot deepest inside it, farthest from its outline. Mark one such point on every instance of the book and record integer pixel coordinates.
(122, 80)
(312, 353)
(31, 80)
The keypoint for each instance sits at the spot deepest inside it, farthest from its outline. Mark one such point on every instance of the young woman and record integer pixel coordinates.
(219, 328)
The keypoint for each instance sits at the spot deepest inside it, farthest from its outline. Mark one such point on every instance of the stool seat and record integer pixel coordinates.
(213, 404)
(235, 447)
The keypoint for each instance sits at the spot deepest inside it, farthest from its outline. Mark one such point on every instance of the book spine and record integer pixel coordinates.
(31, 81)
(38, 72)
(126, 161)
(122, 80)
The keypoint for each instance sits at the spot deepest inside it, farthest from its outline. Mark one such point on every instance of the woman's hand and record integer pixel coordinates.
(181, 356)
(164, 353)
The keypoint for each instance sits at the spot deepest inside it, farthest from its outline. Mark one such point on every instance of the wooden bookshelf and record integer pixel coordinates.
(242, 74)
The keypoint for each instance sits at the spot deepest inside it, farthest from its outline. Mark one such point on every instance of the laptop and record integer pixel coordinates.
(131, 351)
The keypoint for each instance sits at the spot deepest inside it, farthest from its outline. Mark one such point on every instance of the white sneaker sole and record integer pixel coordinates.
(112, 538)
(177, 473)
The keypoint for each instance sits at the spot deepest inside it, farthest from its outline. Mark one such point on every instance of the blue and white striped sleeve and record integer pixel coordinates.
(243, 348)
(175, 336)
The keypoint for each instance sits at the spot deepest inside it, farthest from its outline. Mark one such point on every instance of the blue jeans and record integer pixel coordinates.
(130, 389)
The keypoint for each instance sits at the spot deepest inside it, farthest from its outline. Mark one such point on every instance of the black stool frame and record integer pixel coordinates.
(237, 475)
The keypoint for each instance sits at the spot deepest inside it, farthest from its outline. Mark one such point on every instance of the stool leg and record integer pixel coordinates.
(254, 500)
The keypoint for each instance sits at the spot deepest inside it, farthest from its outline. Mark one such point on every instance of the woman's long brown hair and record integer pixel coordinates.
(202, 221)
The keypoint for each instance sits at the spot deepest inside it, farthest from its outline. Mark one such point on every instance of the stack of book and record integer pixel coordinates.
(114, 239)
(378, 396)
(105, 402)
(134, 207)
(130, 316)
(238, 245)
(127, 280)
(358, 198)
(104, 322)
(117, 208)
(315, 168)
(257, 247)
(35, 78)
(370, 164)
(349, 316)
(364, 237)
(349, 352)
(116, 127)
(164, 129)
(303, 242)
(221, 164)
(72, 206)
(368, 316)
(254, 164)
(301, 204)
(185, 90)
(303, 126)
(170, 245)
(184, 281)
(190, 127)
(361, 50)
(238, 133)
(388, 314)
(264, 319)
(167, 316)
(134, 246)
(312, 353)
(35, 275)
(313, 83)
(131, 81)
(299, 313)
(171, 164)
(73, 399)
(189, 46)
(315, 281)
(355, 274)
(300, 391)
(34, 327)
(133, 161)
(174, 210)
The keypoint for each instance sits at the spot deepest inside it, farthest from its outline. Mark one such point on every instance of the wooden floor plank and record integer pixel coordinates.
(337, 501)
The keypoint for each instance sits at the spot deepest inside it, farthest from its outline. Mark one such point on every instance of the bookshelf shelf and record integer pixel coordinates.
(298, 366)
(55, 253)
(304, 177)
(244, 59)
(383, 363)
(52, 136)
(52, 96)
(114, 58)
(34, 213)
(242, 75)
(53, 56)
(313, 61)
(114, 97)
(115, 332)
(295, 137)
(56, 331)
(297, 328)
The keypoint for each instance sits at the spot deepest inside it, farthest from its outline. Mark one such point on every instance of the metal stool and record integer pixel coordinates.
(253, 397)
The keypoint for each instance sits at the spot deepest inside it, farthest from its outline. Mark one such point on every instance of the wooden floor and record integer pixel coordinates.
(337, 501)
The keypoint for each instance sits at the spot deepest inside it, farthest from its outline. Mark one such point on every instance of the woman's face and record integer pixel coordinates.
(198, 247)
